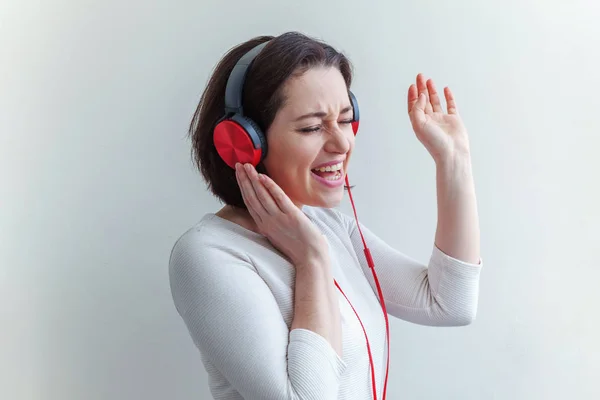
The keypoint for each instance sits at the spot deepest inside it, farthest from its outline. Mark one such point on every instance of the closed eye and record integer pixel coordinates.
(318, 127)
(312, 129)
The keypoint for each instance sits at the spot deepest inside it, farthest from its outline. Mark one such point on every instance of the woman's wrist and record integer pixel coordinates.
(316, 262)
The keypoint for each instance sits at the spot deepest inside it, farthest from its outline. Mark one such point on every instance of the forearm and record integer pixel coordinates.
(457, 232)
(316, 307)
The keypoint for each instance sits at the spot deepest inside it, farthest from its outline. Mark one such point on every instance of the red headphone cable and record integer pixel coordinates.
(371, 264)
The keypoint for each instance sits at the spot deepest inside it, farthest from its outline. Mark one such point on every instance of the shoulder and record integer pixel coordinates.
(207, 260)
(206, 236)
(209, 247)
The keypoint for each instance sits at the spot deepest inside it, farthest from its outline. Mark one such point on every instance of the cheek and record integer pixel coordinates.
(285, 164)
(296, 165)
(293, 155)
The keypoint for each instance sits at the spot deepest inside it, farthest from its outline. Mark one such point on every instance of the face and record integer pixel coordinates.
(311, 139)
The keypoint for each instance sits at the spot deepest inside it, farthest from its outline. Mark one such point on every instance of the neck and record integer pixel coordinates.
(239, 216)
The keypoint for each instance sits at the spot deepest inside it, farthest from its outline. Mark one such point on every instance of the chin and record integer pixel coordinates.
(313, 193)
(319, 195)
(328, 200)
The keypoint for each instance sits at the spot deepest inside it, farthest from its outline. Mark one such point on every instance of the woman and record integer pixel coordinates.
(275, 288)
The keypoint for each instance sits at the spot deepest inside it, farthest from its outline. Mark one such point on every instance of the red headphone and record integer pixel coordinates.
(239, 139)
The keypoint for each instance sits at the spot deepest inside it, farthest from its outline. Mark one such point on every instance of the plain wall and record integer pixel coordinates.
(96, 184)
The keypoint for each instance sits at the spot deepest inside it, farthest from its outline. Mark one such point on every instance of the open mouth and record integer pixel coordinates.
(330, 173)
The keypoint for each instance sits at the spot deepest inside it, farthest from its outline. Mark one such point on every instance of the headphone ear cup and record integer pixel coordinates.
(257, 134)
(356, 112)
(239, 140)
(355, 127)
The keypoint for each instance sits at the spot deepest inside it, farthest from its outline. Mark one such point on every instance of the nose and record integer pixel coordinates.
(338, 140)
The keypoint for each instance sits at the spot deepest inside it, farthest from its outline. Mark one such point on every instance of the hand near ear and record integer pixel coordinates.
(442, 133)
(282, 222)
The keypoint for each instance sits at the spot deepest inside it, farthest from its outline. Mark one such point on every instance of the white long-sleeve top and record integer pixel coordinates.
(235, 292)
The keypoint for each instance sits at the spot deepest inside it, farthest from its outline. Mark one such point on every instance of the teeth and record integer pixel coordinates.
(330, 168)
(337, 176)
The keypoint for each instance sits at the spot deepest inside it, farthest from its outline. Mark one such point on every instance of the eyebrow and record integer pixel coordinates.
(320, 114)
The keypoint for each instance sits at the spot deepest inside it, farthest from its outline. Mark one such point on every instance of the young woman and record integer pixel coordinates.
(275, 288)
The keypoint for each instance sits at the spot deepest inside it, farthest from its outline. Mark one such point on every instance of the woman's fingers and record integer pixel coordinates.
(252, 202)
(262, 193)
(450, 102)
(417, 103)
(422, 88)
(433, 96)
(283, 201)
(413, 96)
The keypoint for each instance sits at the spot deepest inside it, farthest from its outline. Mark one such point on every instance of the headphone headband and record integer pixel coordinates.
(235, 82)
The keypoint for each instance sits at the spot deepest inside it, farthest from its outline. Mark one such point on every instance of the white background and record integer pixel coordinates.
(96, 184)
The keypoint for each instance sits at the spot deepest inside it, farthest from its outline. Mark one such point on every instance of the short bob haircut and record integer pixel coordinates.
(290, 54)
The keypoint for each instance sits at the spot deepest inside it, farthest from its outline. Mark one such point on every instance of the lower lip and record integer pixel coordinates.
(332, 184)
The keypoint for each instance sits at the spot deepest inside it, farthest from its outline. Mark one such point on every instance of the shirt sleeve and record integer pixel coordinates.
(234, 320)
(443, 292)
